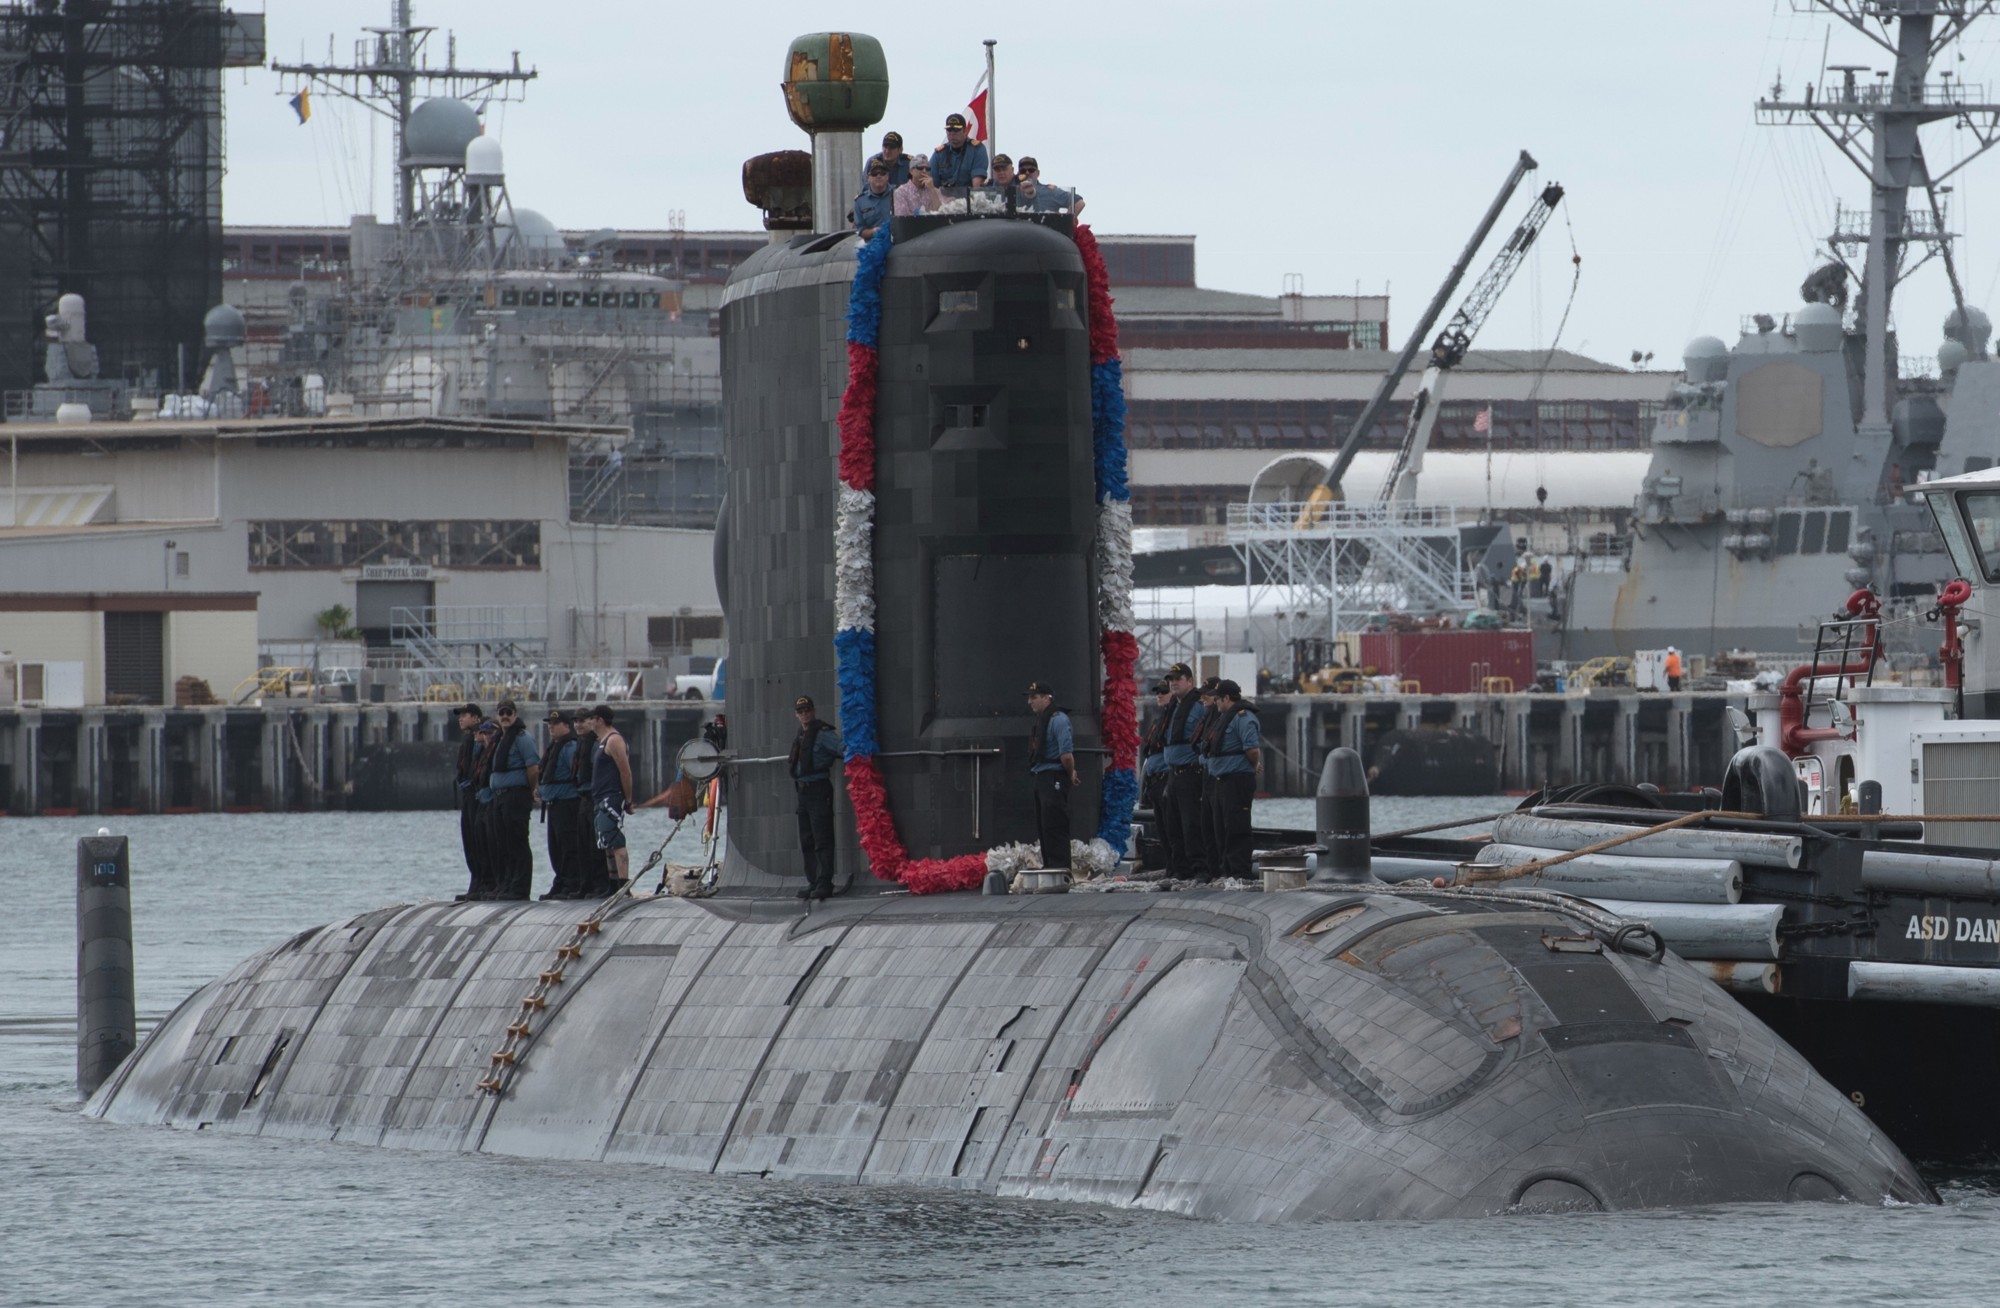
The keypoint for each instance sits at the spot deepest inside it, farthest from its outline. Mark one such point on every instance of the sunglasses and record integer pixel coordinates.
(1030, 170)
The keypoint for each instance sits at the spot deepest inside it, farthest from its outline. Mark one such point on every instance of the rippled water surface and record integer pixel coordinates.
(101, 1214)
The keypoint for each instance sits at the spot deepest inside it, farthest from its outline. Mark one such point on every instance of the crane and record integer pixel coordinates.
(1449, 350)
(1329, 488)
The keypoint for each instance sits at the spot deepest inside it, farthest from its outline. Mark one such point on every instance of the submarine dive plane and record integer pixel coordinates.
(1342, 1051)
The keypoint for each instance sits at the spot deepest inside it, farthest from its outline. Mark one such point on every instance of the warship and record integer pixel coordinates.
(1782, 465)
(896, 502)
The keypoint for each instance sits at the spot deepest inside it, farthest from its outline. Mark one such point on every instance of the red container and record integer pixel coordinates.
(1452, 662)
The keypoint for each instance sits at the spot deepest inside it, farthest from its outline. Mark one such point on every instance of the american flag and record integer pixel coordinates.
(1484, 422)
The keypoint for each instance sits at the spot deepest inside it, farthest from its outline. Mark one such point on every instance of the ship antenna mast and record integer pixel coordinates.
(1876, 127)
(388, 67)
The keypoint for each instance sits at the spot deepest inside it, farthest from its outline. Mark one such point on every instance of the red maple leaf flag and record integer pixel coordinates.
(975, 111)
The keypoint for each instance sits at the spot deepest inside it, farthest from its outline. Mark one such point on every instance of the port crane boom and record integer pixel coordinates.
(1329, 488)
(1450, 348)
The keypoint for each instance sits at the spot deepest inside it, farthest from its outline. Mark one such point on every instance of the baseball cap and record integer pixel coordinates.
(1028, 161)
(1002, 161)
(878, 167)
(1162, 688)
(803, 704)
(892, 138)
(1040, 688)
(954, 120)
(557, 715)
(1180, 670)
(920, 161)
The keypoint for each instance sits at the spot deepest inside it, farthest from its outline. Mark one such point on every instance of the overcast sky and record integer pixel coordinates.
(1354, 144)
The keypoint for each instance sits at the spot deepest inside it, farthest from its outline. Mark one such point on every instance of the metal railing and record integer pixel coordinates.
(1297, 515)
(469, 623)
(540, 684)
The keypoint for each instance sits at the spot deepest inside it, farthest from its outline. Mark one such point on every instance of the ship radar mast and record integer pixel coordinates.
(1876, 126)
(390, 63)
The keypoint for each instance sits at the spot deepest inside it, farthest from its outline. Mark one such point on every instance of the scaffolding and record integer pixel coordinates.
(1329, 568)
(111, 163)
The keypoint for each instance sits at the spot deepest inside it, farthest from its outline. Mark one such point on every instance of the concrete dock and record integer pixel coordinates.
(300, 756)
(279, 756)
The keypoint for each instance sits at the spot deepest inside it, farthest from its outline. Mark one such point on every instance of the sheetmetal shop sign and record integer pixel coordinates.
(396, 572)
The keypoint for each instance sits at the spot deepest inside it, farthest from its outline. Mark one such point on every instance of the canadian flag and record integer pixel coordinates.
(975, 110)
(1484, 422)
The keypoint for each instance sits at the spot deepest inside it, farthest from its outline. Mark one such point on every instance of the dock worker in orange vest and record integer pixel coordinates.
(1673, 668)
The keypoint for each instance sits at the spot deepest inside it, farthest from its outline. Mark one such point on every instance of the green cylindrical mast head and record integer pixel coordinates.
(836, 82)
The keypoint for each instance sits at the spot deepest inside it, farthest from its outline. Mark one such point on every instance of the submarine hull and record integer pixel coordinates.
(1240, 1056)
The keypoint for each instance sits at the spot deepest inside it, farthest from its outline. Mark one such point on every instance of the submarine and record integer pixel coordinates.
(924, 514)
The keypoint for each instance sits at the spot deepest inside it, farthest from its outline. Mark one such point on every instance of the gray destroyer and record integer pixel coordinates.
(1780, 463)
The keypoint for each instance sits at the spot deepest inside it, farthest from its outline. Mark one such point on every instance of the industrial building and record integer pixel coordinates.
(449, 542)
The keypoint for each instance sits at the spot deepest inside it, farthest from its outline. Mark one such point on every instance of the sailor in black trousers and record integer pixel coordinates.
(471, 827)
(1052, 759)
(1234, 759)
(1181, 814)
(814, 752)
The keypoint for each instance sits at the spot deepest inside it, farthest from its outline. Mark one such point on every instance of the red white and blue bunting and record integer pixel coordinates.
(854, 594)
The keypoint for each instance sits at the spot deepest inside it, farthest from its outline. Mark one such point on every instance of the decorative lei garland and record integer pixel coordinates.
(854, 592)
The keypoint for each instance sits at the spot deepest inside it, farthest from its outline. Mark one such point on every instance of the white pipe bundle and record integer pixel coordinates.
(1740, 978)
(1652, 880)
(1750, 847)
(1725, 931)
(1929, 874)
(1924, 983)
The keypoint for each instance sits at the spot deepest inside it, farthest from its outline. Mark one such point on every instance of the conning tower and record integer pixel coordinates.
(985, 518)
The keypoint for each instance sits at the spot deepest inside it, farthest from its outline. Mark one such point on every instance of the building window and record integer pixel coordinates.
(180, 563)
(298, 544)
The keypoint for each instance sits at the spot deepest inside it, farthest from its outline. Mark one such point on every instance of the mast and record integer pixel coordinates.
(1876, 127)
(385, 75)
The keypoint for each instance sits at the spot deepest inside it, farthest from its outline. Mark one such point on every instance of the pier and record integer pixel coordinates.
(1674, 740)
(309, 757)
(274, 757)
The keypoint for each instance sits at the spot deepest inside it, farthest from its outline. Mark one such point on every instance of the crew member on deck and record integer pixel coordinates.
(1181, 817)
(471, 835)
(1673, 669)
(876, 204)
(1210, 857)
(959, 162)
(1153, 770)
(892, 155)
(611, 800)
(814, 752)
(486, 744)
(559, 792)
(516, 768)
(1234, 759)
(1052, 758)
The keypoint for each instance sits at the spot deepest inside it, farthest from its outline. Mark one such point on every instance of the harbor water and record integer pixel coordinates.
(99, 1214)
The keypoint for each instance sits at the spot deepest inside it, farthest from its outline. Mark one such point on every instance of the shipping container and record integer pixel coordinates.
(1453, 662)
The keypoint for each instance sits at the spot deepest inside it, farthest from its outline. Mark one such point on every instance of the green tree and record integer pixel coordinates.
(333, 623)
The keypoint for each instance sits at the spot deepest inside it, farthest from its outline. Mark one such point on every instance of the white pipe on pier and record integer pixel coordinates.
(1750, 847)
(1714, 931)
(1650, 880)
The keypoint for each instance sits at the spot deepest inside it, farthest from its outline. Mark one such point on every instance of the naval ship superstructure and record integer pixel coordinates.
(1780, 463)
(466, 304)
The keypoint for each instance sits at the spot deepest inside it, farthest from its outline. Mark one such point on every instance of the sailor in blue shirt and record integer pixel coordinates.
(1052, 759)
(516, 767)
(875, 205)
(1233, 761)
(1181, 811)
(892, 155)
(814, 752)
(559, 794)
(958, 162)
